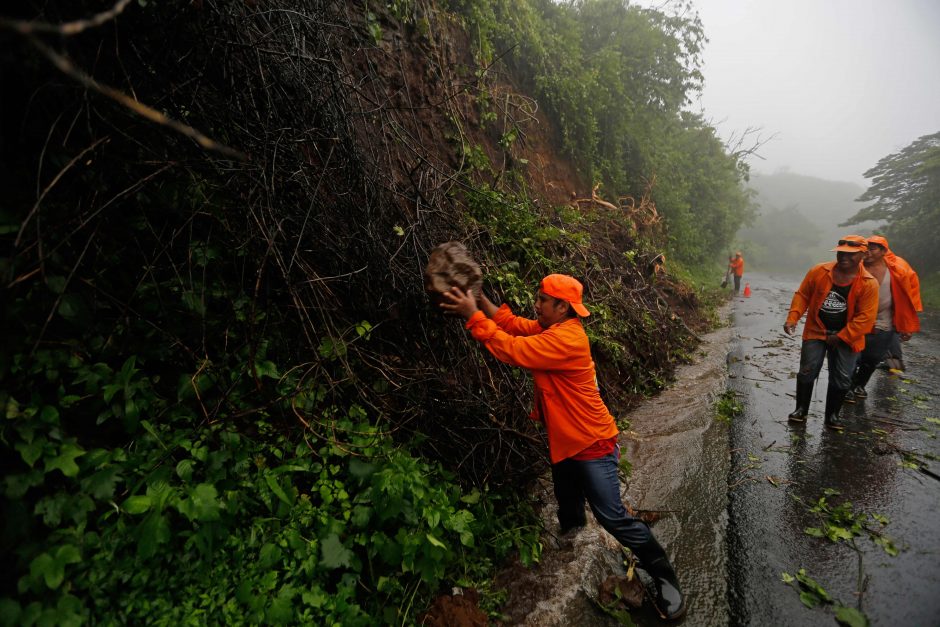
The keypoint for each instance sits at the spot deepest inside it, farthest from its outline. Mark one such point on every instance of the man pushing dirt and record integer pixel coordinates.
(582, 434)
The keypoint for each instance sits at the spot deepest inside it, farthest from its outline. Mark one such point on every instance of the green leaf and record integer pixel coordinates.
(851, 617)
(45, 568)
(65, 460)
(184, 469)
(269, 555)
(202, 504)
(435, 541)
(360, 469)
(69, 611)
(472, 498)
(151, 533)
(101, 485)
(266, 369)
(809, 599)
(68, 554)
(31, 451)
(334, 554)
(272, 482)
(10, 612)
(139, 504)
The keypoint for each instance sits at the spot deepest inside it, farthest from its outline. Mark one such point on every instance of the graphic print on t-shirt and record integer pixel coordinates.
(833, 310)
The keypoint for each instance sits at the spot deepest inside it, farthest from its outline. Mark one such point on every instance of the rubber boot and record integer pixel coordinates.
(834, 400)
(804, 394)
(669, 600)
(860, 380)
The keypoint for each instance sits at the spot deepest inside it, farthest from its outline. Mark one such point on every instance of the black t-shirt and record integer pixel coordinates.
(834, 309)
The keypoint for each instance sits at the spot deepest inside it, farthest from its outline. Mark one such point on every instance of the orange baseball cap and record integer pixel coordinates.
(877, 239)
(566, 288)
(851, 244)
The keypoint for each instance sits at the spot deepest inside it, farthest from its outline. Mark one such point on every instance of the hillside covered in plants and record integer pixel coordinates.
(227, 397)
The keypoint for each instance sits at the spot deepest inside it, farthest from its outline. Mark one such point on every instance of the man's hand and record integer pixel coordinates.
(832, 339)
(459, 302)
(905, 336)
(789, 329)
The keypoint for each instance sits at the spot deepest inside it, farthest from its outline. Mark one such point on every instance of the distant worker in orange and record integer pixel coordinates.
(582, 434)
(840, 300)
(736, 267)
(898, 305)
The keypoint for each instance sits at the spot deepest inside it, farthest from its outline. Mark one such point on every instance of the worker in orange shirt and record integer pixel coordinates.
(898, 305)
(736, 267)
(582, 434)
(840, 300)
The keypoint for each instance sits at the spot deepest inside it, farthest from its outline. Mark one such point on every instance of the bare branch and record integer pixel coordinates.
(67, 67)
(68, 28)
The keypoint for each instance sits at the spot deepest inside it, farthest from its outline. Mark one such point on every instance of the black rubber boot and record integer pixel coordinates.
(669, 600)
(834, 400)
(804, 394)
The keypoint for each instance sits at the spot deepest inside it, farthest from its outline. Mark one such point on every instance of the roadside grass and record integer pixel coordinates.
(930, 290)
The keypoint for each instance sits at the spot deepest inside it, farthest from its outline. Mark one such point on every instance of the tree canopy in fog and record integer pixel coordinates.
(905, 193)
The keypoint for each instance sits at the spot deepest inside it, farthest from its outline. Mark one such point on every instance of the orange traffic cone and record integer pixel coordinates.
(747, 290)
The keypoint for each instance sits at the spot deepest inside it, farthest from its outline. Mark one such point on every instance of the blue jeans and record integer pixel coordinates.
(841, 363)
(878, 344)
(596, 482)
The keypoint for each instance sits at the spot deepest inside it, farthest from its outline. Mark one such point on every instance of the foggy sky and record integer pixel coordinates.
(842, 83)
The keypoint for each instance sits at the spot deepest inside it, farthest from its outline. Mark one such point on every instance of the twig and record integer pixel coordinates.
(149, 113)
(66, 28)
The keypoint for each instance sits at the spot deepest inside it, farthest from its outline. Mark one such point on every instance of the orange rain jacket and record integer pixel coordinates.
(567, 400)
(737, 266)
(905, 294)
(862, 305)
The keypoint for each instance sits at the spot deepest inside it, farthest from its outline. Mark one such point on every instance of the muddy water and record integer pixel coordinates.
(681, 464)
(779, 471)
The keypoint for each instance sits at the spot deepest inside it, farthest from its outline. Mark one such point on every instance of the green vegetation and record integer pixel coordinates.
(930, 289)
(615, 77)
(905, 194)
(813, 595)
(225, 397)
(728, 406)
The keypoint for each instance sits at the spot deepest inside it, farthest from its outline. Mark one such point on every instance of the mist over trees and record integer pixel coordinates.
(799, 221)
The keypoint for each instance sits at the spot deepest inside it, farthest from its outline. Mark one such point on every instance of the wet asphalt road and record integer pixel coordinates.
(885, 464)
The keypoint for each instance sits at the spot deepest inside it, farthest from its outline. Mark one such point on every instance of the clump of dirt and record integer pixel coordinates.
(621, 590)
(455, 610)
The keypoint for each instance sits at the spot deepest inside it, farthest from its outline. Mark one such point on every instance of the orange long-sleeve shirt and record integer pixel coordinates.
(737, 266)
(905, 294)
(567, 400)
(862, 305)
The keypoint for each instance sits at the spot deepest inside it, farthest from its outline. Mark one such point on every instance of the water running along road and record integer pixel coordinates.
(886, 464)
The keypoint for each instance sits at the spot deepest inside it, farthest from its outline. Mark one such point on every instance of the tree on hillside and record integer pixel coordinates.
(615, 77)
(906, 193)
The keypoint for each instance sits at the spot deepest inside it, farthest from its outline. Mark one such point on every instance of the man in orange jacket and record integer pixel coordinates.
(898, 305)
(582, 434)
(736, 266)
(840, 299)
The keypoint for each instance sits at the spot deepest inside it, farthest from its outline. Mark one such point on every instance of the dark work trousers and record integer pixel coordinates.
(737, 284)
(841, 363)
(877, 346)
(596, 481)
